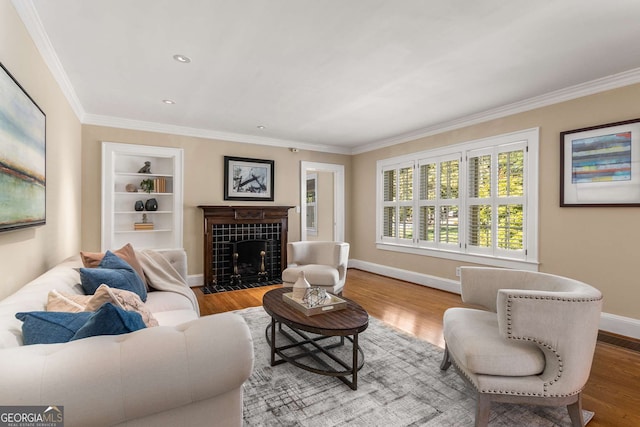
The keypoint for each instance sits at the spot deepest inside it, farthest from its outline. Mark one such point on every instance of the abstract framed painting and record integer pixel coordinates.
(248, 179)
(22, 157)
(600, 165)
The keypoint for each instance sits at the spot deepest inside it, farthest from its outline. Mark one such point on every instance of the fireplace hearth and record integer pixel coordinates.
(244, 246)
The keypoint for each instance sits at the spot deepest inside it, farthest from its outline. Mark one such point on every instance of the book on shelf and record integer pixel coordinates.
(143, 226)
(160, 185)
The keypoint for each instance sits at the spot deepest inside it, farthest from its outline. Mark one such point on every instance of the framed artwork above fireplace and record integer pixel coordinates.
(248, 179)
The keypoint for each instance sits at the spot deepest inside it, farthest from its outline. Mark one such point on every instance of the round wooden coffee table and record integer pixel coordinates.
(318, 353)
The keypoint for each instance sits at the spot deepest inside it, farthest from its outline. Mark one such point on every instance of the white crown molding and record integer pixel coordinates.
(573, 92)
(29, 15)
(614, 81)
(122, 123)
(27, 12)
(577, 91)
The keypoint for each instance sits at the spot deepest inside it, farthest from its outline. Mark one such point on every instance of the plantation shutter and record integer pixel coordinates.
(397, 211)
(427, 202)
(479, 204)
(495, 202)
(389, 197)
(510, 227)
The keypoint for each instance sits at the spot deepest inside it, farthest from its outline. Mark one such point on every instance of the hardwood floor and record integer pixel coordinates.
(612, 392)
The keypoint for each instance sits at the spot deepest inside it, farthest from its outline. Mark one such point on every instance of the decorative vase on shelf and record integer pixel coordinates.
(139, 206)
(300, 287)
(151, 205)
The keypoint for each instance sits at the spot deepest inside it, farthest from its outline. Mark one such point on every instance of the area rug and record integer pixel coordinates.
(400, 384)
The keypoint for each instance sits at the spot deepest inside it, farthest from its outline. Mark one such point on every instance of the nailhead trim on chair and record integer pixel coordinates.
(509, 392)
(556, 298)
(540, 343)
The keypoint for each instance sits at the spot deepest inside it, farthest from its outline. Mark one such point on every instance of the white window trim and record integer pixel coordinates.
(530, 261)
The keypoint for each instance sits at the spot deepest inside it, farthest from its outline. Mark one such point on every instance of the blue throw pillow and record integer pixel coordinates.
(114, 272)
(110, 320)
(50, 327)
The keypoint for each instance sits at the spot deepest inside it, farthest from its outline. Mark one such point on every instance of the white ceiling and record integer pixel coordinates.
(333, 75)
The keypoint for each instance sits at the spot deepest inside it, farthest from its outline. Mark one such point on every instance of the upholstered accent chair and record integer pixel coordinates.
(532, 343)
(324, 264)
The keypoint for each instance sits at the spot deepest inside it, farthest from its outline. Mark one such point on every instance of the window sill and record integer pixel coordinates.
(457, 256)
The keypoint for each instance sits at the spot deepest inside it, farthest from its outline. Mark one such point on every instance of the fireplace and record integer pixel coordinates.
(244, 246)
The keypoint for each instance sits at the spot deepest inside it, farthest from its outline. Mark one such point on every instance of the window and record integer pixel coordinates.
(311, 202)
(476, 199)
(439, 201)
(496, 200)
(398, 203)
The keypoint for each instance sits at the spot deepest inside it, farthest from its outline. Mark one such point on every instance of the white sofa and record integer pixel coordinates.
(188, 371)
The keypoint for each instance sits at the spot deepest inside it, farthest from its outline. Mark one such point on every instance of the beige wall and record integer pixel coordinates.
(203, 176)
(25, 254)
(595, 245)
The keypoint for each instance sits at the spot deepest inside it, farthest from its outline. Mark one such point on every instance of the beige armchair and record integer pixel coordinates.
(324, 264)
(534, 344)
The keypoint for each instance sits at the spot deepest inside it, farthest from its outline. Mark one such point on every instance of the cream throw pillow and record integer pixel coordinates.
(70, 303)
(126, 300)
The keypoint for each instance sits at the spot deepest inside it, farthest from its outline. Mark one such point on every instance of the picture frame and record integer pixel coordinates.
(600, 165)
(22, 157)
(248, 179)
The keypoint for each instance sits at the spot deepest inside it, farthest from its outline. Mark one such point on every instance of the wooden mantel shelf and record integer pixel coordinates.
(223, 214)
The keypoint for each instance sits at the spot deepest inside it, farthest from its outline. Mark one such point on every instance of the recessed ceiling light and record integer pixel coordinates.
(182, 58)
(261, 127)
(169, 101)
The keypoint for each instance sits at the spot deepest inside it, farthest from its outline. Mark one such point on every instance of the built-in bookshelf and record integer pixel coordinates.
(128, 214)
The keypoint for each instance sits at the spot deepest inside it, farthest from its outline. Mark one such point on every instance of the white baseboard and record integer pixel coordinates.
(620, 325)
(195, 280)
(613, 323)
(409, 276)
